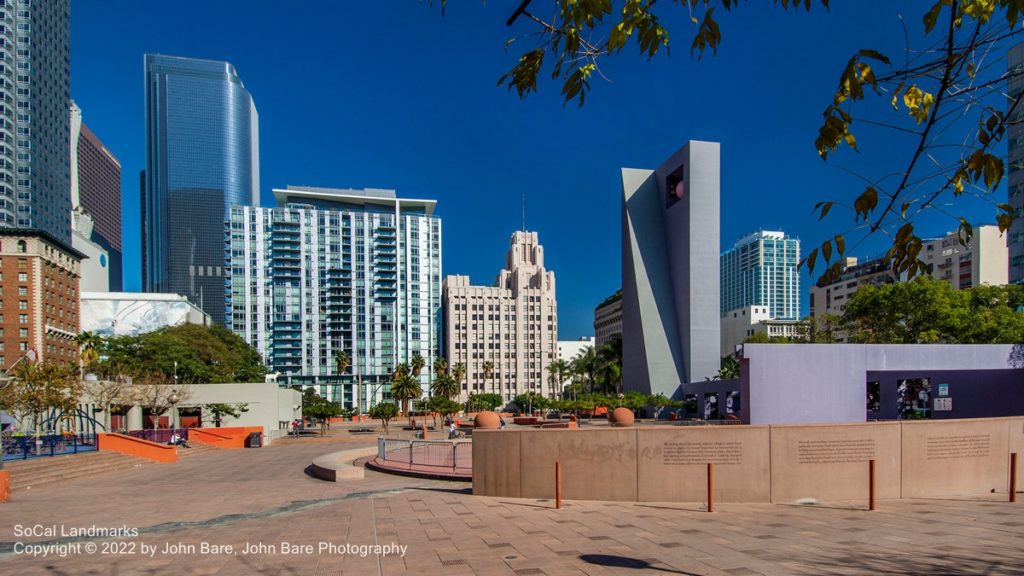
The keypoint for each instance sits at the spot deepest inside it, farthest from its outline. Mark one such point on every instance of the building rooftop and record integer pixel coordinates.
(378, 197)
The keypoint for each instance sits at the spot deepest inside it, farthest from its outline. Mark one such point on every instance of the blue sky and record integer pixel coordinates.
(391, 94)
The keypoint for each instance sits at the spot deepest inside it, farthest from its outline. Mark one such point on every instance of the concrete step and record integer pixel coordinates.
(195, 449)
(63, 469)
(51, 461)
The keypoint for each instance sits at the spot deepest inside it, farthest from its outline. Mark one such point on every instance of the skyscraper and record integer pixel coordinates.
(96, 199)
(505, 334)
(335, 270)
(34, 150)
(1015, 165)
(761, 270)
(202, 157)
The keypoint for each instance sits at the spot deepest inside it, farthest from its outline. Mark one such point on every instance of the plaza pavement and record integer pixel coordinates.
(234, 497)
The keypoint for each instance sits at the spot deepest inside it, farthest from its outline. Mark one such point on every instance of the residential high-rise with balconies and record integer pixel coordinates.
(505, 334)
(202, 157)
(761, 270)
(336, 270)
(35, 94)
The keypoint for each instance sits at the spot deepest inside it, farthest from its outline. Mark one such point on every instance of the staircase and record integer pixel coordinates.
(43, 471)
(195, 449)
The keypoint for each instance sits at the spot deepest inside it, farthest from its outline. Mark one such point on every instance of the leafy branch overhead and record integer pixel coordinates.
(947, 99)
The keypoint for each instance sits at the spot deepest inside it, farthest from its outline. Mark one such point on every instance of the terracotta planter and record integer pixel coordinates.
(487, 421)
(621, 417)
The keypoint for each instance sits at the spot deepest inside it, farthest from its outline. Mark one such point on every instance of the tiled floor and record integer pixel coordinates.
(251, 497)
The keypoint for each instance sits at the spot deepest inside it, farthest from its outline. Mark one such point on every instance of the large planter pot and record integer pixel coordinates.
(621, 417)
(486, 421)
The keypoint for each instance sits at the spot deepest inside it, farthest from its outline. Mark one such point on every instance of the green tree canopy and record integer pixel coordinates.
(926, 310)
(204, 354)
(487, 401)
(384, 412)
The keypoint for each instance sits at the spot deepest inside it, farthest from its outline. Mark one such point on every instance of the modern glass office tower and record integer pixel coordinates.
(35, 133)
(337, 270)
(761, 270)
(202, 157)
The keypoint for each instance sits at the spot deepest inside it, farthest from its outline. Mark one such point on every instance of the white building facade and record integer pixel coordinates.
(982, 260)
(336, 270)
(513, 325)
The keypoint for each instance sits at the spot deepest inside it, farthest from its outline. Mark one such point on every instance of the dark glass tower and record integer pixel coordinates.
(202, 157)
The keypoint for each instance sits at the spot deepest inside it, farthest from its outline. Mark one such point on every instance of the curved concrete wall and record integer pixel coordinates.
(752, 463)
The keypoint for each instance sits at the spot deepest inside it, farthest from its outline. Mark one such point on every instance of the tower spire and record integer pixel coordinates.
(524, 211)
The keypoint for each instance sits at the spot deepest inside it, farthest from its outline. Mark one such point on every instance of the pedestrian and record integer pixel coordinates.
(295, 427)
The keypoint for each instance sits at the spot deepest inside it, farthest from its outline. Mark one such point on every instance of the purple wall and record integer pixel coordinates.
(974, 393)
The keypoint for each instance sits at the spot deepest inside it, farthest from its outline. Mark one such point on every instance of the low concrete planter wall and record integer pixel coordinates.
(137, 447)
(338, 465)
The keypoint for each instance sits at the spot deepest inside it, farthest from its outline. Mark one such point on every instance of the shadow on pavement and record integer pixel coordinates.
(611, 561)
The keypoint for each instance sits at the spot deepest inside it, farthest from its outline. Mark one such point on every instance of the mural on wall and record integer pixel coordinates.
(131, 317)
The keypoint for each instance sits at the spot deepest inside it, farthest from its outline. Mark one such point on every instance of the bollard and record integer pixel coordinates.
(711, 487)
(558, 486)
(1013, 477)
(871, 484)
(424, 430)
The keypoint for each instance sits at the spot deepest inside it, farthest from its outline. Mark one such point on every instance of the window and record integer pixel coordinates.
(23, 332)
(22, 276)
(23, 318)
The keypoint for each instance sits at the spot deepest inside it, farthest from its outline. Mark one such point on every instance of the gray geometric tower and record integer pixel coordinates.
(35, 158)
(670, 271)
(202, 157)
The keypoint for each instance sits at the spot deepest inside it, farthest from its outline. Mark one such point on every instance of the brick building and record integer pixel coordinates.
(38, 297)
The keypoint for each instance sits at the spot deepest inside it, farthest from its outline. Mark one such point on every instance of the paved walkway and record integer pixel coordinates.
(263, 497)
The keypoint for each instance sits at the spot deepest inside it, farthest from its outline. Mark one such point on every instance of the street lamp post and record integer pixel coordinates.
(3, 384)
(173, 401)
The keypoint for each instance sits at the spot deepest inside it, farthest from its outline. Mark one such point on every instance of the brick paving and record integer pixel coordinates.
(234, 497)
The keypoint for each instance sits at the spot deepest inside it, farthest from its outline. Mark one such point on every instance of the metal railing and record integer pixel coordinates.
(704, 422)
(453, 455)
(160, 435)
(25, 446)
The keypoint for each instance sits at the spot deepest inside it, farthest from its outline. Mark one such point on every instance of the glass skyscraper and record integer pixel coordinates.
(35, 127)
(761, 270)
(202, 157)
(337, 270)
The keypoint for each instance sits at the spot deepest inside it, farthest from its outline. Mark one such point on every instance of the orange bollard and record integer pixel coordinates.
(871, 484)
(558, 486)
(711, 487)
(1013, 477)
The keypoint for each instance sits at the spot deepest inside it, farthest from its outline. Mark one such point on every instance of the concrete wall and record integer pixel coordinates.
(817, 383)
(781, 464)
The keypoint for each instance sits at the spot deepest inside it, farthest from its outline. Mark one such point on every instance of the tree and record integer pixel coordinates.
(219, 411)
(488, 367)
(584, 366)
(107, 393)
(443, 406)
(440, 366)
(404, 388)
(488, 401)
(417, 363)
(559, 370)
(926, 310)
(445, 386)
(157, 393)
(89, 344)
(36, 387)
(196, 354)
(729, 370)
(946, 89)
(384, 412)
(322, 409)
(459, 372)
(342, 361)
(531, 401)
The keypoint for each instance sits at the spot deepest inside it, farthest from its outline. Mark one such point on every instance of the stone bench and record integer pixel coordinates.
(338, 465)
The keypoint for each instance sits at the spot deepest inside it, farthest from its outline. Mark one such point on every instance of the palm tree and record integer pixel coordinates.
(488, 371)
(609, 366)
(404, 388)
(446, 386)
(400, 370)
(89, 342)
(440, 366)
(342, 361)
(459, 372)
(417, 363)
(584, 366)
(558, 369)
